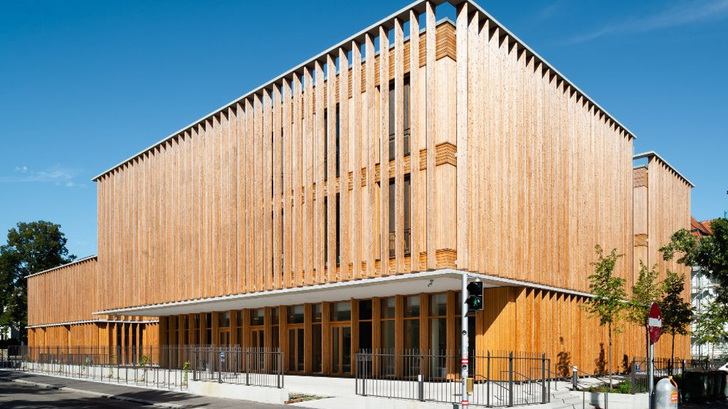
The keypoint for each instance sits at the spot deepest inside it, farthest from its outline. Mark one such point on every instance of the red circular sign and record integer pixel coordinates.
(654, 322)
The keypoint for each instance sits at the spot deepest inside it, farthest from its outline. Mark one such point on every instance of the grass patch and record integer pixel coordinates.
(302, 397)
(622, 387)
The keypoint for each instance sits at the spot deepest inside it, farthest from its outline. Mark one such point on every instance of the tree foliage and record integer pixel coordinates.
(710, 253)
(645, 291)
(607, 305)
(676, 312)
(710, 325)
(30, 248)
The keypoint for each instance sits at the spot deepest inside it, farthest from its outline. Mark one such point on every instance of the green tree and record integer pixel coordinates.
(710, 253)
(608, 302)
(31, 248)
(710, 326)
(676, 312)
(645, 292)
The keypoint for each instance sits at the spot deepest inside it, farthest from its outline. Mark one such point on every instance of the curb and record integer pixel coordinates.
(99, 394)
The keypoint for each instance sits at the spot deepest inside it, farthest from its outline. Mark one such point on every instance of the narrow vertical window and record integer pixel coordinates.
(392, 122)
(338, 229)
(406, 103)
(407, 214)
(392, 220)
(338, 142)
(326, 144)
(326, 228)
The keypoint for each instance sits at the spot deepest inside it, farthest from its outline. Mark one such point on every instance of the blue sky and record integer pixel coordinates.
(86, 84)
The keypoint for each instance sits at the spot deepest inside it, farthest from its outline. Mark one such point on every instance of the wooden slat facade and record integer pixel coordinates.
(511, 171)
(661, 207)
(61, 310)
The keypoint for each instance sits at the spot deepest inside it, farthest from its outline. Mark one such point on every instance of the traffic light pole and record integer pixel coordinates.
(464, 340)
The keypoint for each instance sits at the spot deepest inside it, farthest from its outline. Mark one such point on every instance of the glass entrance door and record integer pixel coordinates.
(341, 350)
(296, 350)
(225, 338)
(257, 342)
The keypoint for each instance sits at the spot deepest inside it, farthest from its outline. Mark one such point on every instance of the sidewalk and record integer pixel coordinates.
(153, 397)
(327, 393)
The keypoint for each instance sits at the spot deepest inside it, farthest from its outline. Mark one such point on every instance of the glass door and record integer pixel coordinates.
(341, 350)
(296, 350)
(257, 356)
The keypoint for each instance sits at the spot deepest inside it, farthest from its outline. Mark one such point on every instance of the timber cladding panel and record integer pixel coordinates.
(666, 209)
(69, 293)
(514, 172)
(543, 174)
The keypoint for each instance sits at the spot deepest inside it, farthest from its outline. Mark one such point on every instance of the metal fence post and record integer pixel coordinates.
(510, 379)
(421, 378)
(632, 377)
(487, 380)
(543, 378)
(247, 368)
(280, 370)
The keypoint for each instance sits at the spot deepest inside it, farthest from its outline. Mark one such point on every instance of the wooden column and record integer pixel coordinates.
(215, 329)
(308, 338)
(326, 338)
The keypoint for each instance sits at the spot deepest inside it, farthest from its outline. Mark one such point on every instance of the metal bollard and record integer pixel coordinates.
(574, 377)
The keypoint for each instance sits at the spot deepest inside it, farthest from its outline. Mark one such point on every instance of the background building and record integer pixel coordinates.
(703, 294)
(336, 207)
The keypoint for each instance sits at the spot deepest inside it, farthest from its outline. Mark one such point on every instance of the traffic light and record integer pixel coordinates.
(475, 296)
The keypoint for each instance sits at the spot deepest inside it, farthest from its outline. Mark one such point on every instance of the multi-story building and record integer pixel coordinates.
(336, 207)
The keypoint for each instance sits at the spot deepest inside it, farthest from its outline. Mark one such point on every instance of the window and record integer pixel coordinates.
(317, 350)
(392, 122)
(338, 229)
(223, 319)
(387, 332)
(407, 214)
(438, 333)
(412, 322)
(393, 216)
(338, 141)
(326, 144)
(341, 311)
(295, 314)
(406, 116)
(405, 121)
(257, 316)
(392, 219)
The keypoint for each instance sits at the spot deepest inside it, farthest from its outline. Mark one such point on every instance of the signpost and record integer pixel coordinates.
(654, 326)
(464, 342)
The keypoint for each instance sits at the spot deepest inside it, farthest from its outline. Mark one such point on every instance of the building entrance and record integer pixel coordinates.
(341, 349)
(224, 340)
(296, 350)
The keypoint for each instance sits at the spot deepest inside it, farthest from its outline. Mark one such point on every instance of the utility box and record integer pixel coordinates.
(666, 394)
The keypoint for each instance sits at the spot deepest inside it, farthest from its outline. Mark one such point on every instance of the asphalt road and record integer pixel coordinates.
(30, 393)
(17, 396)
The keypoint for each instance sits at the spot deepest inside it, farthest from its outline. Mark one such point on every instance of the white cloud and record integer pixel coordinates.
(679, 14)
(58, 175)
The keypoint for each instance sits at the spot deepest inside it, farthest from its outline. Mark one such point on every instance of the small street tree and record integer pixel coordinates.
(676, 312)
(31, 248)
(607, 304)
(645, 292)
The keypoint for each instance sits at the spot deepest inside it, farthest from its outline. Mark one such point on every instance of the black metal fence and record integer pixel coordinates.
(163, 367)
(498, 378)
(242, 366)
